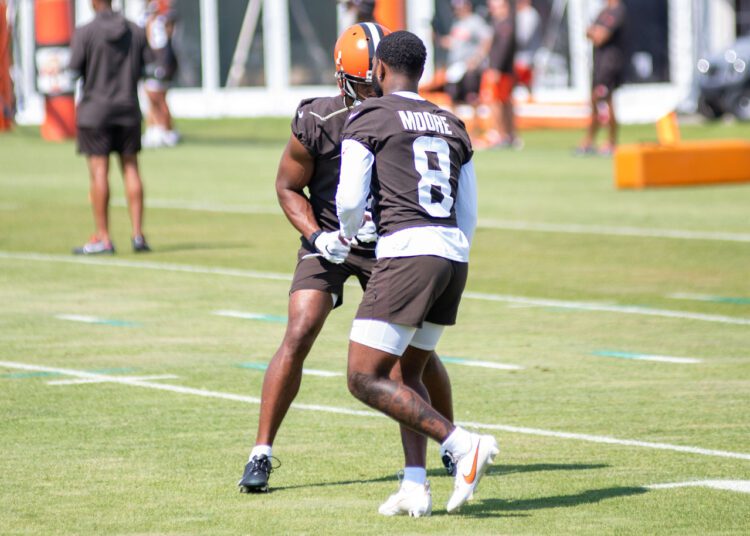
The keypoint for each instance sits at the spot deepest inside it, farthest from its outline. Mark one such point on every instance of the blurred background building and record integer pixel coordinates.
(260, 57)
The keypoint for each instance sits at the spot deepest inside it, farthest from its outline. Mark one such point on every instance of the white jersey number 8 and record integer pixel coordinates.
(434, 186)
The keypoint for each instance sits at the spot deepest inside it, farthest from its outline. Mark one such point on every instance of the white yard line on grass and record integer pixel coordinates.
(505, 225)
(307, 371)
(611, 230)
(602, 307)
(481, 364)
(244, 315)
(742, 486)
(648, 357)
(199, 206)
(109, 379)
(145, 265)
(96, 320)
(366, 413)
(236, 272)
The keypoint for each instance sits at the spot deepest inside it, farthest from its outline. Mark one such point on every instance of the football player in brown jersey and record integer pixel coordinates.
(414, 159)
(311, 161)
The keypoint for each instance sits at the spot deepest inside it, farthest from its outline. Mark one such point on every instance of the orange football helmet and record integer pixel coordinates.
(353, 55)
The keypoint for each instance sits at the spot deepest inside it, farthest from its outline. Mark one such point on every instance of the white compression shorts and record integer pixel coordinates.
(394, 338)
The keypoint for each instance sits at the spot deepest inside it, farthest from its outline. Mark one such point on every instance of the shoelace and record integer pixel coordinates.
(449, 461)
(264, 463)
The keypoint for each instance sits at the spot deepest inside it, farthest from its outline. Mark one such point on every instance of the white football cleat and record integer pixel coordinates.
(416, 502)
(470, 467)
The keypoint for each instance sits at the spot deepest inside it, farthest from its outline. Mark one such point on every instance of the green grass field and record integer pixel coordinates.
(570, 281)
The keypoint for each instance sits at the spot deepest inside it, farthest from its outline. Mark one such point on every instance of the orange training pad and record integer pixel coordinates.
(682, 164)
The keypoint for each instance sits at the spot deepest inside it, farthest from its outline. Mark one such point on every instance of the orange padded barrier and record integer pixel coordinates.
(391, 14)
(53, 22)
(688, 163)
(54, 30)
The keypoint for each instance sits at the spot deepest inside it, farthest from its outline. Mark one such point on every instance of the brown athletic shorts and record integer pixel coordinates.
(411, 290)
(113, 139)
(316, 273)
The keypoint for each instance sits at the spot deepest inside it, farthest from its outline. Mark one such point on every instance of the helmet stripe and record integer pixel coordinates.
(374, 34)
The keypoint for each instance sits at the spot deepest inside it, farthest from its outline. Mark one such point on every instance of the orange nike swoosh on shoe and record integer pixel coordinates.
(469, 479)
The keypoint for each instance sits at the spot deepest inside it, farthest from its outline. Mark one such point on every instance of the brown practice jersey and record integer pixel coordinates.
(613, 19)
(318, 124)
(503, 48)
(419, 150)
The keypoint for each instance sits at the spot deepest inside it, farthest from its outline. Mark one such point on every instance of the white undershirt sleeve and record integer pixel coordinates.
(466, 205)
(354, 186)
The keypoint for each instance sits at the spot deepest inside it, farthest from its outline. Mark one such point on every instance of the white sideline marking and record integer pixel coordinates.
(581, 306)
(742, 486)
(667, 359)
(204, 207)
(178, 389)
(602, 307)
(607, 230)
(145, 265)
(690, 296)
(480, 364)
(322, 373)
(609, 440)
(487, 364)
(648, 357)
(509, 225)
(109, 380)
(366, 413)
(81, 318)
(310, 372)
(250, 316)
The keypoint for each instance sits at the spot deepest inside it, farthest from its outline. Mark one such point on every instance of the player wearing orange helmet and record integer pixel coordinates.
(353, 55)
(306, 184)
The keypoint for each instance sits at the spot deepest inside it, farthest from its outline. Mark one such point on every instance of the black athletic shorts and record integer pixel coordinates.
(316, 273)
(125, 140)
(608, 73)
(411, 290)
(466, 89)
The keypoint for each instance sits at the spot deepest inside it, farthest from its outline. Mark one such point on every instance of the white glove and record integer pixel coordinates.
(368, 232)
(333, 247)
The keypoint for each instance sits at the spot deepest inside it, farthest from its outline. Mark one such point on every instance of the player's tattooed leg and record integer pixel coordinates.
(400, 403)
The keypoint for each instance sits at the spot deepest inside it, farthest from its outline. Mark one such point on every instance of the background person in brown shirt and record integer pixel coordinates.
(607, 36)
(499, 78)
(110, 54)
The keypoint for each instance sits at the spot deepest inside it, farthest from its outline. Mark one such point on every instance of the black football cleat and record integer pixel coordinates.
(255, 478)
(449, 463)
